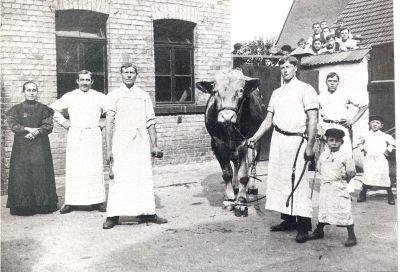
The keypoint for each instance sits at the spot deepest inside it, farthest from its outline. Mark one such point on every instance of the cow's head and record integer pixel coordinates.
(229, 88)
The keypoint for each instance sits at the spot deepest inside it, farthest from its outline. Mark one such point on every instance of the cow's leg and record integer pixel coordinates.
(226, 167)
(243, 180)
(241, 207)
(229, 198)
(235, 179)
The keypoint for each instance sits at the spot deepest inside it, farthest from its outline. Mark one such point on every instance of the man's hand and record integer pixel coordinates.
(348, 123)
(156, 152)
(309, 153)
(250, 142)
(387, 153)
(66, 124)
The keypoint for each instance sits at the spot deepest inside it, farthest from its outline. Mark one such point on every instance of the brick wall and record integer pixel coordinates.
(28, 52)
(183, 138)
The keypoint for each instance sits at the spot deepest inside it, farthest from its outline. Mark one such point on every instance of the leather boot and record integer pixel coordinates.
(102, 207)
(154, 218)
(302, 236)
(318, 233)
(284, 226)
(111, 222)
(351, 237)
(66, 209)
(303, 226)
(362, 197)
(390, 196)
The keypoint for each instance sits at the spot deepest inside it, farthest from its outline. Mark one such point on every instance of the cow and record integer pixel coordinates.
(233, 113)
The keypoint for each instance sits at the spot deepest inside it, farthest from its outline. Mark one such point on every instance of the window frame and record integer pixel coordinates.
(65, 36)
(173, 46)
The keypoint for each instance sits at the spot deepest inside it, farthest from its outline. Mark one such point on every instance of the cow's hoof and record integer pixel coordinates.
(241, 210)
(228, 204)
(252, 191)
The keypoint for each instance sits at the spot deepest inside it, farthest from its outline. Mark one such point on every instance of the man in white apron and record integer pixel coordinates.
(131, 139)
(84, 178)
(334, 104)
(293, 112)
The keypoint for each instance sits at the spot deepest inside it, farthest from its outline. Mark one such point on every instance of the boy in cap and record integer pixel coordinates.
(377, 145)
(336, 169)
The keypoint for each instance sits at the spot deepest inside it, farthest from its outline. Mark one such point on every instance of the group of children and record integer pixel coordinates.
(325, 40)
(336, 169)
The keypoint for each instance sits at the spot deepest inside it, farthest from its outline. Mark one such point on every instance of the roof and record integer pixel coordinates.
(372, 19)
(341, 57)
(303, 14)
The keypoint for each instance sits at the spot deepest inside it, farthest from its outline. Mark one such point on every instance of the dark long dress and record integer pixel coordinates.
(31, 187)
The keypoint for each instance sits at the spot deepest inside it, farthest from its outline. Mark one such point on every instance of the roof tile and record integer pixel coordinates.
(372, 19)
(341, 57)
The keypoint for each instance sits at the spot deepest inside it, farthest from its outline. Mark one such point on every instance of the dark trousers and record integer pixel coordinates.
(303, 223)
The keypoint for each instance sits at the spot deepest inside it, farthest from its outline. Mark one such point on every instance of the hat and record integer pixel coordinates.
(376, 117)
(334, 132)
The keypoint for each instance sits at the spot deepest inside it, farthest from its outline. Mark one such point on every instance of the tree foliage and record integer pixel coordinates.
(258, 46)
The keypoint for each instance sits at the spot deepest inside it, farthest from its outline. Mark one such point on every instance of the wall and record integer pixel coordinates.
(354, 80)
(27, 38)
(28, 52)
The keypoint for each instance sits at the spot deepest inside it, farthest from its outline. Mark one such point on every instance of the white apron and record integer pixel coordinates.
(131, 192)
(289, 103)
(376, 166)
(334, 199)
(84, 177)
(279, 184)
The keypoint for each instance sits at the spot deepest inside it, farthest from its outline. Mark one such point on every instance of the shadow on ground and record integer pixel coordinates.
(213, 189)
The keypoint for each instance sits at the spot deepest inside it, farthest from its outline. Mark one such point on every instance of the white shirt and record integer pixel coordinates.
(289, 104)
(334, 106)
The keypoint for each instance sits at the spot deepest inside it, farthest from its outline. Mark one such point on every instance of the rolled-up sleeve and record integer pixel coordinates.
(271, 104)
(310, 99)
(359, 100)
(110, 103)
(150, 115)
(59, 106)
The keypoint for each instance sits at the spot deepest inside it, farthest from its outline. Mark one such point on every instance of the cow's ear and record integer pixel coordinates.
(205, 86)
(251, 84)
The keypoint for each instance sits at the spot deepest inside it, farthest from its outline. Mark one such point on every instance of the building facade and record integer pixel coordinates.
(174, 44)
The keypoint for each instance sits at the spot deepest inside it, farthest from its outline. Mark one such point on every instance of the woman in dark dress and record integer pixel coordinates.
(31, 187)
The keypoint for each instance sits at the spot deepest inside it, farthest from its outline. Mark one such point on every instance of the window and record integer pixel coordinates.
(173, 56)
(81, 45)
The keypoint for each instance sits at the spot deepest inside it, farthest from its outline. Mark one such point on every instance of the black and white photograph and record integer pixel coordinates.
(259, 135)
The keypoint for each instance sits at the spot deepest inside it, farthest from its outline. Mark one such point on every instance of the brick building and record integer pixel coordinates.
(174, 43)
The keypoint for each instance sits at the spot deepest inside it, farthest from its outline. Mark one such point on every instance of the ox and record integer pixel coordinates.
(234, 112)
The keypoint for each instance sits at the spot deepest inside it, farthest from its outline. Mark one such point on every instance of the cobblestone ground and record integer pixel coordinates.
(200, 235)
